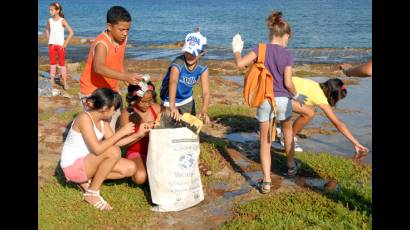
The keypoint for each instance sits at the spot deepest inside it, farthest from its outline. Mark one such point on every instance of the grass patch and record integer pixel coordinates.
(212, 158)
(74, 91)
(239, 118)
(66, 116)
(349, 207)
(81, 67)
(298, 210)
(354, 180)
(60, 207)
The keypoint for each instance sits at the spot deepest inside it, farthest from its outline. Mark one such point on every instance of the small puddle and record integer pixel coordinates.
(60, 110)
(238, 192)
(253, 177)
(315, 182)
(243, 137)
(220, 185)
(237, 79)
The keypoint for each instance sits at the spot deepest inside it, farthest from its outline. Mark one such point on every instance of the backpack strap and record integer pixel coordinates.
(261, 53)
(272, 124)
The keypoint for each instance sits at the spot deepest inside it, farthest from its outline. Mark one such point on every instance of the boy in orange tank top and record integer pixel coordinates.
(105, 63)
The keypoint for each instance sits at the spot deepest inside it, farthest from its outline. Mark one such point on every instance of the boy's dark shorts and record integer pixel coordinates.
(187, 108)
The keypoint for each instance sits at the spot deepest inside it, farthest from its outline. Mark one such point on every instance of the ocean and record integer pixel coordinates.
(323, 30)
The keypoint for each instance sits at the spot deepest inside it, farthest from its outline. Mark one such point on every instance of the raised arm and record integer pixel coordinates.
(237, 47)
(244, 61)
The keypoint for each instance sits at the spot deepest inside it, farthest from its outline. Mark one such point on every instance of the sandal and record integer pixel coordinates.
(204, 169)
(261, 186)
(293, 171)
(81, 188)
(101, 204)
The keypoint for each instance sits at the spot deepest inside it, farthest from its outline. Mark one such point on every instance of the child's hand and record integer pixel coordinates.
(144, 128)
(344, 67)
(157, 121)
(361, 149)
(127, 129)
(175, 114)
(361, 152)
(133, 78)
(205, 117)
(237, 43)
(301, 98)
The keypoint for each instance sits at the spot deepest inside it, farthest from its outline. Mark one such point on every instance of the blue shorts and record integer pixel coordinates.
(265, 110)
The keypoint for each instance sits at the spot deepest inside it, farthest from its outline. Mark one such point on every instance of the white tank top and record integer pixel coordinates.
(56, 32)
(75, 146)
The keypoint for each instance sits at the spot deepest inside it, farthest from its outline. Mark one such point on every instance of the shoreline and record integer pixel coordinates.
(79, 47)
(216, 67)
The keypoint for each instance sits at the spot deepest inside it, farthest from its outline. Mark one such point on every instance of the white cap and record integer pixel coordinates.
(195, 43)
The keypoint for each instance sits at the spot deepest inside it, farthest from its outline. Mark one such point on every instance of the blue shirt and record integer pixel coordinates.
(186, 81)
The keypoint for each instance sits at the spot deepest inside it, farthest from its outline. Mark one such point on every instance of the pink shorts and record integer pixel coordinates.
(131, 155)
(76, 172)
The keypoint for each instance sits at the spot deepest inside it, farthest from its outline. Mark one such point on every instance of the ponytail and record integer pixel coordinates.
(104, 97)
(276, 25)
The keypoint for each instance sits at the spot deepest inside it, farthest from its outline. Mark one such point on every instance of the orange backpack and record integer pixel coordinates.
(258, 86)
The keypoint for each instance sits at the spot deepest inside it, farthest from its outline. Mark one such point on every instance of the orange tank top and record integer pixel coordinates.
(90, 80)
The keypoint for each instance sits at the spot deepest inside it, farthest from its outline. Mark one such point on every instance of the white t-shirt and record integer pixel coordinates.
(56, 32)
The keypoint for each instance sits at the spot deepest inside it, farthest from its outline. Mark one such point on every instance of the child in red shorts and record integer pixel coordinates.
(142, 108)
(56, 44)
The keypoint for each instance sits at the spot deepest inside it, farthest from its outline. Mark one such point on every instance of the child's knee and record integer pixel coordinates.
(286, 124)
(140, 177)
(310, 113)
(130, 170)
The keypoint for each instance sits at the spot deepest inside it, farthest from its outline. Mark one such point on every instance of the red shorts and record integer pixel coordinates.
(131, 155)
(52, 50)
(76, 172)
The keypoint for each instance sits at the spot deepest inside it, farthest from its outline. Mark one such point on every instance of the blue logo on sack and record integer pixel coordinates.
(186, 160)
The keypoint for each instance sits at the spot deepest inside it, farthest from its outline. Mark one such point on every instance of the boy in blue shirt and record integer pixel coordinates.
(184, 72)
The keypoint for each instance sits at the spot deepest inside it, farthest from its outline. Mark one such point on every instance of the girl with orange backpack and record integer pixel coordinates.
(279, 62)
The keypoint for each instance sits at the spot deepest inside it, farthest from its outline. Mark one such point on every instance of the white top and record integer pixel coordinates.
(56, 32)
(75, 146)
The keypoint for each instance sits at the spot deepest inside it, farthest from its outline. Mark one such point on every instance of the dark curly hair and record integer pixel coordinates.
(334, 90)
(132, 99)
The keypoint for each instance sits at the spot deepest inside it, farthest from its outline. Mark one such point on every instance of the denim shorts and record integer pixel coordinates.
(265, 110)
